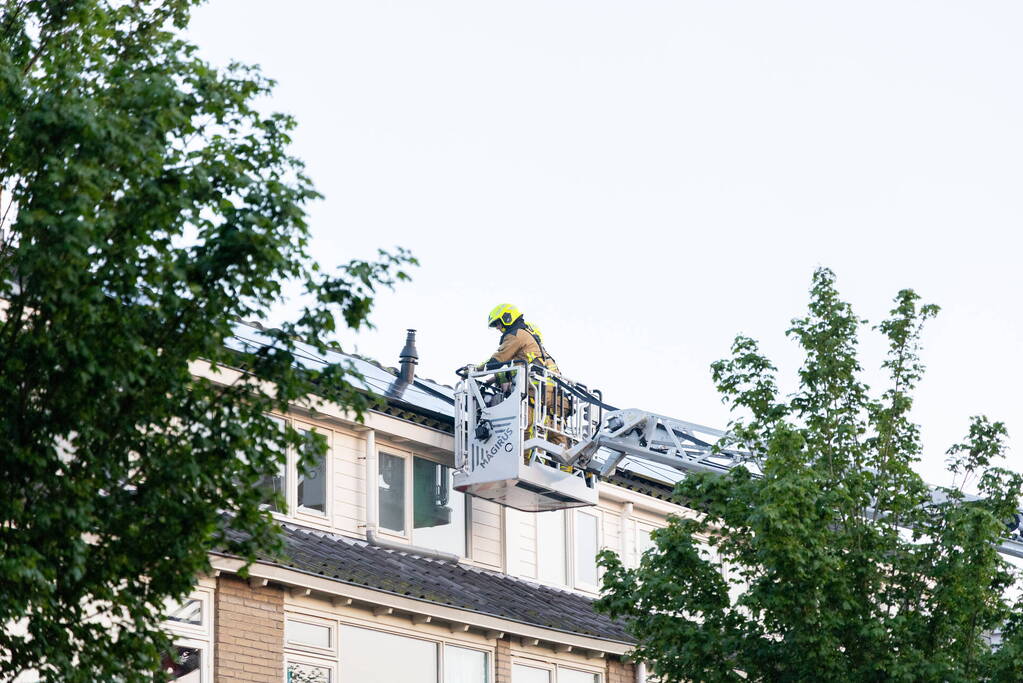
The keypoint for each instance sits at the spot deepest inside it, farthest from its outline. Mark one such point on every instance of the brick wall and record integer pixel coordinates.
(502, 661)
(249, 639)
(620, 671)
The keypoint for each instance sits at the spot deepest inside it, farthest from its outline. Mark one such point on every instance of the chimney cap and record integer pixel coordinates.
(409, 352)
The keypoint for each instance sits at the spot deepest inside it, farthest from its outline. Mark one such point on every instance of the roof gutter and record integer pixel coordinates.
(373, 511)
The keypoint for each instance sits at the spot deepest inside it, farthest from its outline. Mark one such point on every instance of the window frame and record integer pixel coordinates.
(438, 644)
(290, 473)
(206, 658)
(301, 512)
(329, 624)
(408, 500)
(549, 667)
(488, 658)
(330, 664)
(598, 518)
(641, 529)
(577, 668)
(332, 657)
(554, 667)
(406, 459)
(197, 635)
(568, 545)
(570, 529)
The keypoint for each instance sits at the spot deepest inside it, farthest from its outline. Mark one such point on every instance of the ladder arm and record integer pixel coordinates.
(660, 439)
(677, 444)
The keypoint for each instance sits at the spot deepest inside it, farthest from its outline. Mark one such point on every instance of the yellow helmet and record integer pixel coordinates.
(503, 314)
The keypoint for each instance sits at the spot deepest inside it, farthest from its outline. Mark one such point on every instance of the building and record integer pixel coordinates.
(392, 575)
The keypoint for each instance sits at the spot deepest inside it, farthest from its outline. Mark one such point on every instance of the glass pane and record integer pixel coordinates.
(573, 676)
(185, 664)
(392, 492)
(307, 673)
(643, 541)
(305, 633)
(465, 666)
(312, 480)
(438, 511)
(188, 612)
(550, 546)
(528, 674)
(272, 484)
(586, 549)
(376, 657)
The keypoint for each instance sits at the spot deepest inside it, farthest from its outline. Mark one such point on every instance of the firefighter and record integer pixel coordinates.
(520, 341)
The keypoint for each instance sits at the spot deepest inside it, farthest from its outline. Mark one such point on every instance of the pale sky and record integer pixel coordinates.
(648, 179)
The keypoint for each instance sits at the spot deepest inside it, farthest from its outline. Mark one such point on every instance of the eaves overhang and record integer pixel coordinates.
(345, 593)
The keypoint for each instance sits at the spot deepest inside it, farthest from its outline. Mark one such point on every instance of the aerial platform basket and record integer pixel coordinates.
(511, 422)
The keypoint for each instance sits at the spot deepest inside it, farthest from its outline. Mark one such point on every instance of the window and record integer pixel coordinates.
(392, 493)
(431, 508)
(550, 546)
(462, 665)
(273, 486)
(438, 511)
(549, 673)
(307, 633)
(530, 674)
(575, 676)
(558, 547)
(184, 664)
(304, 672)
(320, 650)
(587, 544)
(190, 622)
(311, 493)
(643, 540)
(368, 655)
(188, 612)
(306, 489)
(310, 654)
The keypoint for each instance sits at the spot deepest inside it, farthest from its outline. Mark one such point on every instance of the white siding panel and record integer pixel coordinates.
(612, 532)
(349, 484)
(486, 532)
(525, 538)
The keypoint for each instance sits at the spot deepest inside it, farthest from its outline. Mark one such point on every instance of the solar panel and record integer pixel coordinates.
(423, 394)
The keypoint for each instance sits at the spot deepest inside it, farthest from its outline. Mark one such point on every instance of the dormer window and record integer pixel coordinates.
(305, 490)
(558, 547)
(429, 513)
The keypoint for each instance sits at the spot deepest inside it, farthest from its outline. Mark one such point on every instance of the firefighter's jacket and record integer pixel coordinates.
(517, 343)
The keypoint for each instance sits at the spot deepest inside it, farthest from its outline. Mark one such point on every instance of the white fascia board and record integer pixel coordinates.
(483, 622)
(620, 494)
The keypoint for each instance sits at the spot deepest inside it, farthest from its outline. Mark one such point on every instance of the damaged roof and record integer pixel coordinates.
(451, 584)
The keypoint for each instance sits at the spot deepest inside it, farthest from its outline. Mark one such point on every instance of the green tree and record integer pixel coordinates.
(146, 206)
(842, 565)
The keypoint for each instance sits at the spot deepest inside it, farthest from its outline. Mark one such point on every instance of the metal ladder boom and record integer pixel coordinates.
(675, 443)
(657, 438)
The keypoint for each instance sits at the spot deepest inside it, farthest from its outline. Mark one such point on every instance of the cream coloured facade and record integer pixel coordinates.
(387, 606)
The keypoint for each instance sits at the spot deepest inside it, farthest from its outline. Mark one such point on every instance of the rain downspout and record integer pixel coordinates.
(628, 545)
(627, 536)
(373, 511)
